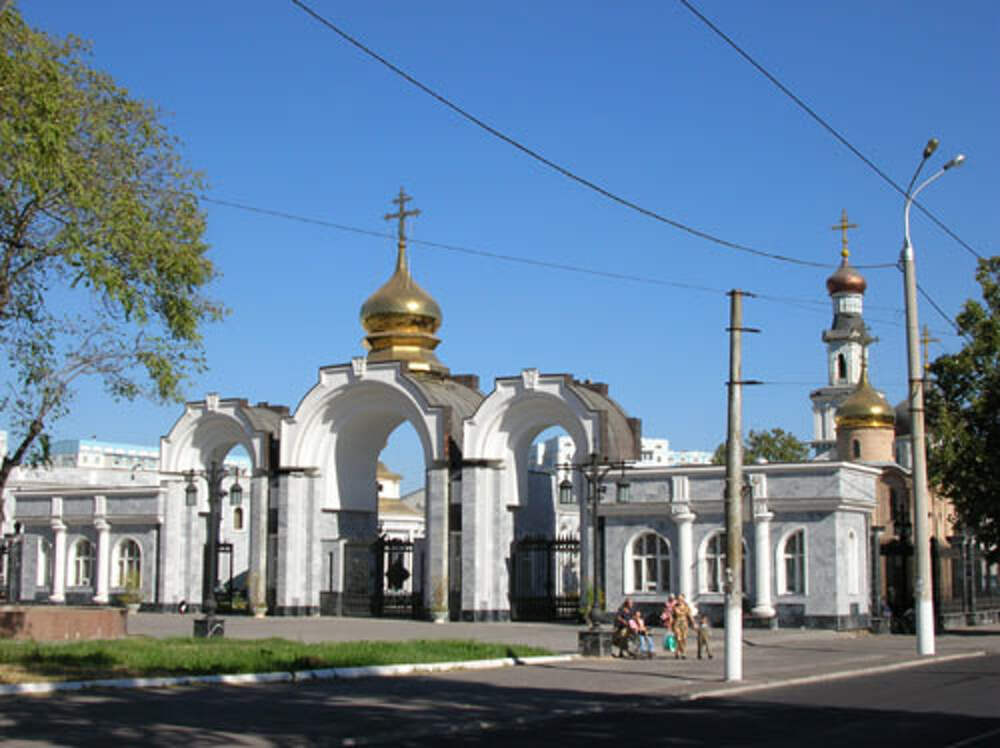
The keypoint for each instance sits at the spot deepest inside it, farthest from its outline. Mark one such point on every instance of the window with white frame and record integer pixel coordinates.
(713, 565)
(43, 577)
(650, 564)
(128, 563)
(792, 569)
(82, 563)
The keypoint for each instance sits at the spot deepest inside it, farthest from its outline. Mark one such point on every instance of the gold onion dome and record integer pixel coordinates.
(865, 407)
(400, 318)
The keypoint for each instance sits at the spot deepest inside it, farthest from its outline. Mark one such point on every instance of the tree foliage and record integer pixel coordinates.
(963, 409)
(776, 445)
(103, 267)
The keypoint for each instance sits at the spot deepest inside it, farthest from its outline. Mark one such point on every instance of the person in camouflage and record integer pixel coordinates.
(682, 620)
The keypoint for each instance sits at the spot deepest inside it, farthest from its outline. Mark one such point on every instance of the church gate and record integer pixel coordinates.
(545, 579)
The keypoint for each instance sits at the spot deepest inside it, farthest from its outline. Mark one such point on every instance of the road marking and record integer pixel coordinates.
(823, 677)
(974, 739)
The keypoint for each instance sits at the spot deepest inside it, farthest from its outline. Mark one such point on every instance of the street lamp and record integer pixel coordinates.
(595, 472)
(210, 625)
(923, 598)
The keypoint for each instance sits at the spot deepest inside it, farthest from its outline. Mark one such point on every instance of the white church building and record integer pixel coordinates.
(501, 536)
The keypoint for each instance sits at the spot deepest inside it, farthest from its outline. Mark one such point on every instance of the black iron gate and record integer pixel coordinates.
(545, 579)
(397, 588)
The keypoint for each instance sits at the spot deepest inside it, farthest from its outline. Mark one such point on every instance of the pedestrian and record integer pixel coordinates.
(645, 640)
(667, 616)
(682, 619)
(704, 627)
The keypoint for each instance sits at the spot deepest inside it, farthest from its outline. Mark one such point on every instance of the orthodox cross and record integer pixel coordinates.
(402, 214)
(842, 227)
(926, 340)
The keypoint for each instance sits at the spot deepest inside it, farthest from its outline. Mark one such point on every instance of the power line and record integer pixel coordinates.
(824, 124)
(811, 305)
(552, 164)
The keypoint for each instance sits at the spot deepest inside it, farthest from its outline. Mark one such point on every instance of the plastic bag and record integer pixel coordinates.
(670, 642)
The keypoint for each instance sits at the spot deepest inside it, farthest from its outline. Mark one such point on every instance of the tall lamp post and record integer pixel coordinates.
(595, 471)
(210, 625)
(923, 599)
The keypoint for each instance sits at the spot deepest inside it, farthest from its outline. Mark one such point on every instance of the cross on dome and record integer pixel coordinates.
(842, 227)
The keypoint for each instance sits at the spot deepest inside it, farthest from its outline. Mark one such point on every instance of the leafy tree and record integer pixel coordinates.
(102, 263)
(963, 408)
(776, 445)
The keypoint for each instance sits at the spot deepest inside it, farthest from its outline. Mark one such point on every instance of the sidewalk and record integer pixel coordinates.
(770, 658)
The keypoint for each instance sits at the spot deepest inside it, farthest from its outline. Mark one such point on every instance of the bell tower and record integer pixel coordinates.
(846, 342)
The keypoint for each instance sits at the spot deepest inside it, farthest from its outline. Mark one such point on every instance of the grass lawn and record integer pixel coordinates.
(26, 661)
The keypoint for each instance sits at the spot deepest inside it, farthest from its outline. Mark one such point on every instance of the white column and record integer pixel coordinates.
(103, 576)
(257, 576)
(59, 562)
(685, 552)
(436, 512)
(764, 606)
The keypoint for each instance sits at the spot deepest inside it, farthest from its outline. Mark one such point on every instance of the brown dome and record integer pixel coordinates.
(846, 280)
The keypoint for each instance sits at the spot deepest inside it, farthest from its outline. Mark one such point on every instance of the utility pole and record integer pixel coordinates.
(734, 490)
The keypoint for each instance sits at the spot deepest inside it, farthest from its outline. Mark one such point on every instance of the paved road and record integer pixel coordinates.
(951, 705)
(595, 698)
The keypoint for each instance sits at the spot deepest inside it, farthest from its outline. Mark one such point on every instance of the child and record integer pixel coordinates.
(703, 643)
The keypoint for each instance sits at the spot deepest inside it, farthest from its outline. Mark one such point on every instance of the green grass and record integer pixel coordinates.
(25, 661)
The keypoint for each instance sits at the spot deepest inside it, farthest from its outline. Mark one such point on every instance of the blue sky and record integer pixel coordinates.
(640, 97)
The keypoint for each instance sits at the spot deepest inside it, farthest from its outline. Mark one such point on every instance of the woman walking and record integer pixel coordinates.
(681, 621)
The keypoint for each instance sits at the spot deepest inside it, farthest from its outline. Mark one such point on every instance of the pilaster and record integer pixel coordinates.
(436, 511)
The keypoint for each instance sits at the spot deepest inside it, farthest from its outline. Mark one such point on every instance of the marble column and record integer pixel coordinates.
(684, 518)
(764, 604)
(58, 562)
(103, 577)
(257, 571)
(436, 512)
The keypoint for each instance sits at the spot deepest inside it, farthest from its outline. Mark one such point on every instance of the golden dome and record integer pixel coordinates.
(400, 318)
(865, 407)
(400, 304)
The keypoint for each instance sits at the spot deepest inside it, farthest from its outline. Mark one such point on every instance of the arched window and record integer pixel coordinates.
(128, 563)
(841, 367)
(43, 577)
(792, 564)
(650, 564)
(714, 564)
(82, 563)
(238, 518)
(856, 448)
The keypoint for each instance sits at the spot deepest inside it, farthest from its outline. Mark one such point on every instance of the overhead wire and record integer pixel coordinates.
(824, 124)
(811, 305)
(589, 184)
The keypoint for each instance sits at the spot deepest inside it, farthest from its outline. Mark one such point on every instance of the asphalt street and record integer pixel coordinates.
(886, 696)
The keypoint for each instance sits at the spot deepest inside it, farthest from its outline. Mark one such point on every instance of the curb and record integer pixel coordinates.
(242, 679)
(824, 677)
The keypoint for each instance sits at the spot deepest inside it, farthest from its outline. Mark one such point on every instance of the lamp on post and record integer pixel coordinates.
(210, 626)
(923, 602)
(594, 471)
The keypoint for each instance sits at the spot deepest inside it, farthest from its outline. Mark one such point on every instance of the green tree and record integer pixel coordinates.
(963, 409)
(776, 445)
(103, 268)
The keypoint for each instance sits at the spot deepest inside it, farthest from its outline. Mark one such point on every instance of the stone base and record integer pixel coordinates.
(205, 628)
(61, 623)
(594, 643)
